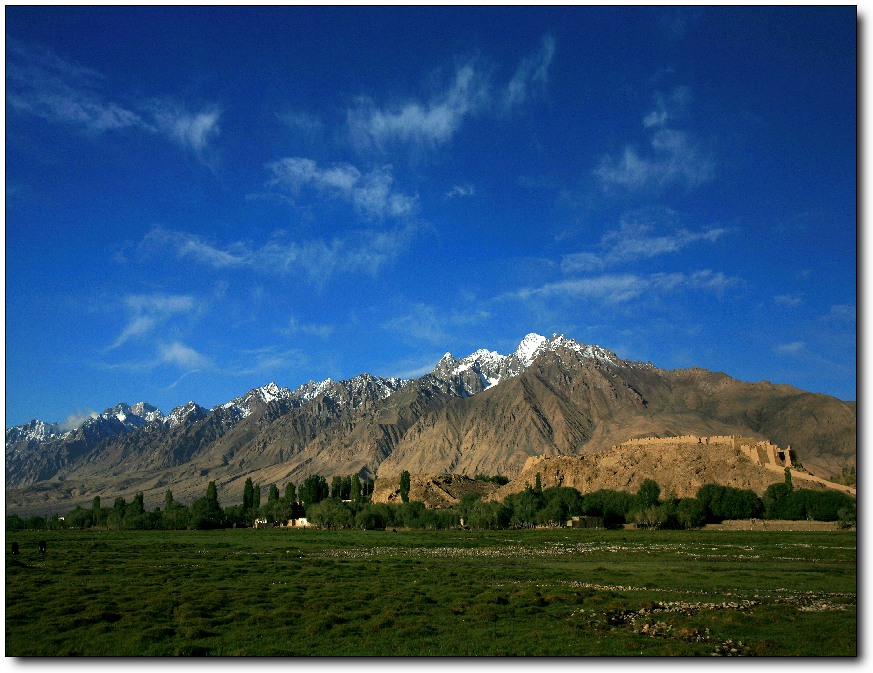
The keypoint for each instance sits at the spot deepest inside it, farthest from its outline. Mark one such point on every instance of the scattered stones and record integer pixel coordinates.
(731, 649)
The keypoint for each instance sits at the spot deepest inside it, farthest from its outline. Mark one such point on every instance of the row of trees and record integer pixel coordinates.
(345, 504)
(535, 506)
(206, 512)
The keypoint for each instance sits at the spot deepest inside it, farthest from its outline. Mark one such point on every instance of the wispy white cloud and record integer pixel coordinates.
(75, 420)
(792, 348)
(372, 194)
(361, 251)
(271, 360)
(582, 262)
(428, 124)
(611, 288)
(713, 280)
(183, 356)
(306, 124)
(423, 322)
(435, 121)
(674, 157)
(668, 107)
(147, 311)
(787, 300)
(460, 191)
(181, 378)
(624, 287)
(164, 353)
(636, 240)
(845, 313)
(295, 327)
(191, 130)
(533, 71)
(413, 368)
(677, 21)
(43, 84)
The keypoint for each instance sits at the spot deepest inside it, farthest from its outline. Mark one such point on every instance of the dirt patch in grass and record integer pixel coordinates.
(773, 525)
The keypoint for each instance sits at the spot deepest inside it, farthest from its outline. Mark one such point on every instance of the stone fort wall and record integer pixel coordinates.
(760, 452)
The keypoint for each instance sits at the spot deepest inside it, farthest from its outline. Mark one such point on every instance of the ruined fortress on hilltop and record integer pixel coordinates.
(631, 461)
(760, 452)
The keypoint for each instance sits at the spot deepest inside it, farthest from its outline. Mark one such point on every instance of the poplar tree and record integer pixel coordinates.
(248, 494)
(404, 486)
(355, 489)
(336, 487)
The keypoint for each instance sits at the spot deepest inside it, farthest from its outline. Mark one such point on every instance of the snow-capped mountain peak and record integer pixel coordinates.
(130, 416)
(34, 430)
(121, 418)
(186, 414)
(146, 411)
(244, 405)
(529, 348)
(477, 372)
(484, 369)
(312, 389)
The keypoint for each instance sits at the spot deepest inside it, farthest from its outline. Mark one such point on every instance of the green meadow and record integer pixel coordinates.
(566, 592)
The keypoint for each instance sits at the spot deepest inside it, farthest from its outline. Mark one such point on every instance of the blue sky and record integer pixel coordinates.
(200, 201)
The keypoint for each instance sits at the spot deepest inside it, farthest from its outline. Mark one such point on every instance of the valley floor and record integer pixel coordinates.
(564, 592)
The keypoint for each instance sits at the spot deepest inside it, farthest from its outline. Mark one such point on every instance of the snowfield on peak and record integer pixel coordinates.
(484, 369)
(311, 389)
(185, 413)
(529, 348)
(244, 405)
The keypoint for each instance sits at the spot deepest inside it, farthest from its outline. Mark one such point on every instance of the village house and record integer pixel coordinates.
(586, 522)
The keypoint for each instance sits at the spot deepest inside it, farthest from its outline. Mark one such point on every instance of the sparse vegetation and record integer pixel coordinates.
(494, 479)
(848, 476)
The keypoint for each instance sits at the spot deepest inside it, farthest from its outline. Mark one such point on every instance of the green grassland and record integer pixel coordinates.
(518, 592)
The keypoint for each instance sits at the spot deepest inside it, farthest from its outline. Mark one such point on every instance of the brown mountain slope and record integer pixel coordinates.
(493, 432)
(563, 406)
(565, 402)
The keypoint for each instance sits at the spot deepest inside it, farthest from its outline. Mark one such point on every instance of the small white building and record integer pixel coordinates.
(299, 523)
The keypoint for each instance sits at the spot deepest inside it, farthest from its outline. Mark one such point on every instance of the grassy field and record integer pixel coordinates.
(538, 592)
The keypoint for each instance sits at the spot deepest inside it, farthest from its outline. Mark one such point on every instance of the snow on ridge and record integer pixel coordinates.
(479, 358)
(529, 348)
(585, 350)
(35, 430)
(270, 392)
(310, 390)
(491, 367)
(180, 414)
(481, 370)
(120, 418)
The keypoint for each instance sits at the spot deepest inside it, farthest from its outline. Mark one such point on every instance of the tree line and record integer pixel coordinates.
(345, 503)
(205, 512)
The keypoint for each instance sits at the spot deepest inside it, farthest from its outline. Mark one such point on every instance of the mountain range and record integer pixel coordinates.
(485, 413)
